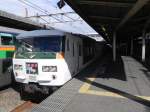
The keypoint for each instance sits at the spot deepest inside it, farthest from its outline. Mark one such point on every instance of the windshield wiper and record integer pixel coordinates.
(27, 46)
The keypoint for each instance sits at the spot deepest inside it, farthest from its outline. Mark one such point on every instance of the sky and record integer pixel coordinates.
(42, 7)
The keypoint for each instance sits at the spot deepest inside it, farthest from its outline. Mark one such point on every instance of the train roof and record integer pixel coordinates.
(40, 33)
(84, 37)
(53, 32)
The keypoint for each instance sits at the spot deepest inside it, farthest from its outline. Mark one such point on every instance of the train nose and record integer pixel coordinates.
(46, 79)
(19, 76)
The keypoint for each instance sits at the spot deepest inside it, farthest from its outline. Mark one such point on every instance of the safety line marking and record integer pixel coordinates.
(85, 89)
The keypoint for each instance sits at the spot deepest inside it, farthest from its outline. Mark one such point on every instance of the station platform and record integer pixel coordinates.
(104, 86)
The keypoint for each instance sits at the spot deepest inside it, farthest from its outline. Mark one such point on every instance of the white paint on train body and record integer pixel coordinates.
(78, 52)
(43, 78)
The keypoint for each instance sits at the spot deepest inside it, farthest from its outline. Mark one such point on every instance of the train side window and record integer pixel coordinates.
(91, 51)
(79, 50)
(63, 43)
(68, 48)
(6, 40)
(73, 50)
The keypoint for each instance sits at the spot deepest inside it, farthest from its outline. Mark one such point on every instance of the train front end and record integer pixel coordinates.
(39, 61)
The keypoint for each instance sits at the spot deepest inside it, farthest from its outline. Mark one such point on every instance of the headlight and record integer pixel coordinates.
(49, 68)
(18, 67)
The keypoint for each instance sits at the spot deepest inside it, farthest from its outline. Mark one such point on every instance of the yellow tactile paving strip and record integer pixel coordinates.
(85, 89)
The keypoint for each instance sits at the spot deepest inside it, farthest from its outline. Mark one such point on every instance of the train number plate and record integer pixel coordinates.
(32, 78)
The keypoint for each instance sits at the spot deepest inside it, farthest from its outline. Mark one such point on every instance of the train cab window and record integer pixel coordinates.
(48, 44)
(73, 49)
(68, 48)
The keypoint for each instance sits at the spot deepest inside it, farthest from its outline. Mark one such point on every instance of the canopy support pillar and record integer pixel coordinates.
(114, 46)
(143, 47)
(131, 50)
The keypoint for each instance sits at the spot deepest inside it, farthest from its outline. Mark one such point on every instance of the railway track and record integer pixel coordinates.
(25, 107)
(16, 103)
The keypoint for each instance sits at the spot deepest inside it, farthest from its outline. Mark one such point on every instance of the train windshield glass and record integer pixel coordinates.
(42, 44)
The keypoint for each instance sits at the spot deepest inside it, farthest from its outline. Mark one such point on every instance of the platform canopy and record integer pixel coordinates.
(128, 18)
(13, 21)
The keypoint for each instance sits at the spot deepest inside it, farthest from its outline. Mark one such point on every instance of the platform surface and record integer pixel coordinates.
(105, 86)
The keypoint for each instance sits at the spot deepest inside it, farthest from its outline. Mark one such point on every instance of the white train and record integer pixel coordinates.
(50, 58)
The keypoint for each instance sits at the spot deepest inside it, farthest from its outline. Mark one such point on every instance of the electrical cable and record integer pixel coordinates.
(37, 8)
(46, 12)
(32, 7)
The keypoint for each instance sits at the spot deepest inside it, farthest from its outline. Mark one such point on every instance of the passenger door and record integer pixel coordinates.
(69, 58)
(76, 54)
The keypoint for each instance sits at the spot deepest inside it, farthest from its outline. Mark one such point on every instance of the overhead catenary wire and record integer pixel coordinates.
(52, 4)
(32, 7)
(62, 23)
(55, 14)
(45, 11)
(63, 12)
(37, 8)
(48, 13)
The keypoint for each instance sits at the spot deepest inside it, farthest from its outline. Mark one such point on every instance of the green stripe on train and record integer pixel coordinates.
(6, 54)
